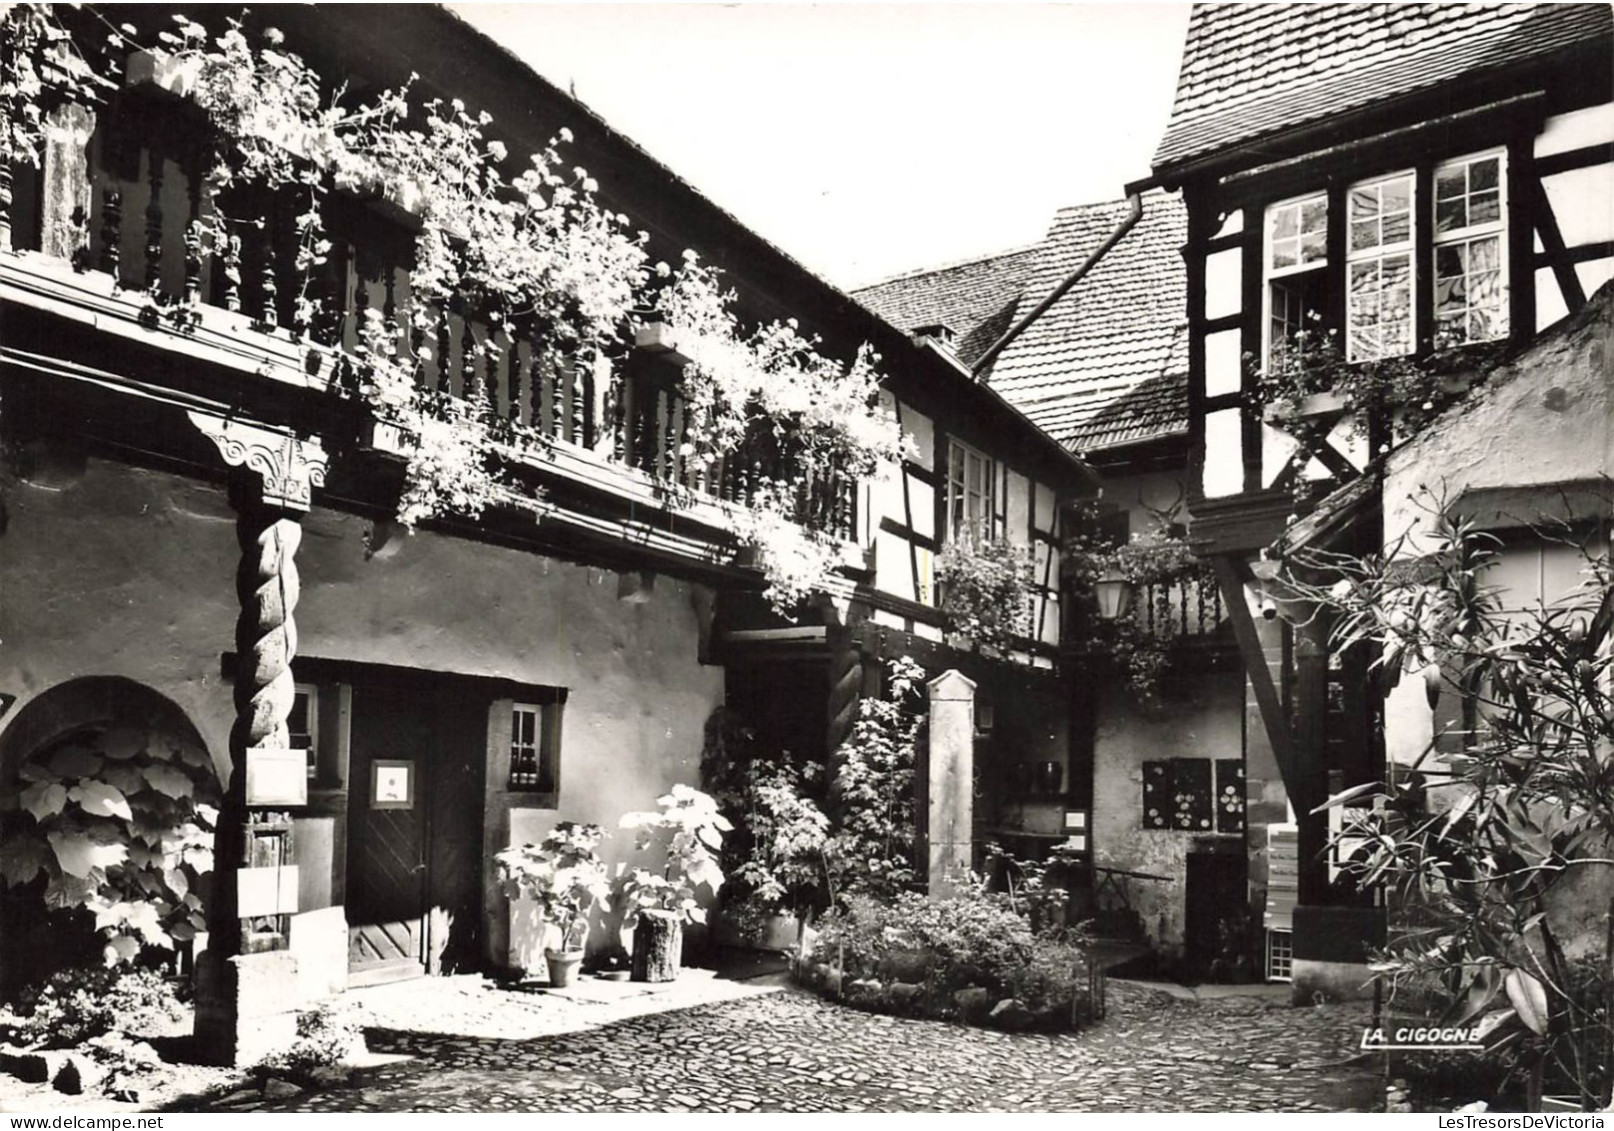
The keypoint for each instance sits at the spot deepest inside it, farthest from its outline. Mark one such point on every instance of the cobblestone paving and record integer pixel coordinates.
(789, 1051)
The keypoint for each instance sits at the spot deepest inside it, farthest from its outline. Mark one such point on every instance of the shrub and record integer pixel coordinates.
(326, 1037)
(974, 939)
(74, 1006)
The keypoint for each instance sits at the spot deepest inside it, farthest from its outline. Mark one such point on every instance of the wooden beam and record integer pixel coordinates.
(1552, 248)
(1231, 574)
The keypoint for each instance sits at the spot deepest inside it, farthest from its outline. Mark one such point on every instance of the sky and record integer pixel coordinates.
(872, 139)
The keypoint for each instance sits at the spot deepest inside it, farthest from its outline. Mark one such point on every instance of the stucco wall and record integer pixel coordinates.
(131, 572)
(1547, 418)
(1202, 719)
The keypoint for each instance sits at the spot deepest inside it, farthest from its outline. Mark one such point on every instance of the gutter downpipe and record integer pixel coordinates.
(1134, 213)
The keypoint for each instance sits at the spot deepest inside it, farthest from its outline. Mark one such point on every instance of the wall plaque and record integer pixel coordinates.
(392, 784)
(276, 776)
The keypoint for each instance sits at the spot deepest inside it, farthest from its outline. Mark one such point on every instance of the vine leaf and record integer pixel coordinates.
(44, 799)
(123, 744)
(22, 858)
(74, 762)
(78, 855)
(100, 800)
(169, 781)
(125, 778)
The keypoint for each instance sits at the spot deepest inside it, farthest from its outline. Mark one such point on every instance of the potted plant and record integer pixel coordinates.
(688, 831)
(564, 875)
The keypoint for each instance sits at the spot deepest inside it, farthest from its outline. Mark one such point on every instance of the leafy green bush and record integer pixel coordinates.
(74, 1006)
(974, 939)
(326, 1037)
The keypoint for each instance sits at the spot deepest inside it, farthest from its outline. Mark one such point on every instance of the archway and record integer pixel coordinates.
(107, 804)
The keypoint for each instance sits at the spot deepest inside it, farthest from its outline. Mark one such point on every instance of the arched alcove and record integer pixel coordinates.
(100, 761)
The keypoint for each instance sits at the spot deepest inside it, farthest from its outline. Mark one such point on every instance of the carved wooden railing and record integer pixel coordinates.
(1186, 606)
(120, 190)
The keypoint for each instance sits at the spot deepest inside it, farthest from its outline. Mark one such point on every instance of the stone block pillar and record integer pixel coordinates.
(950, 783)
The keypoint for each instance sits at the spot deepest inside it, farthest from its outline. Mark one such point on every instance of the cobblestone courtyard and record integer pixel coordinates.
(779, 1049)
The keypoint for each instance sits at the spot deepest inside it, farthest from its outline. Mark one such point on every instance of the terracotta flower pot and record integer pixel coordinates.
(563, 966)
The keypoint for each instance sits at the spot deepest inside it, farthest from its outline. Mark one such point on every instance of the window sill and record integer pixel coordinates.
(531, 798)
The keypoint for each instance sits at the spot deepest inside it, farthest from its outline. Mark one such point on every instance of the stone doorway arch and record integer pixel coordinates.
(107, 795)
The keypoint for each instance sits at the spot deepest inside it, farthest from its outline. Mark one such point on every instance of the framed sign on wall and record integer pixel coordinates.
(392, 784)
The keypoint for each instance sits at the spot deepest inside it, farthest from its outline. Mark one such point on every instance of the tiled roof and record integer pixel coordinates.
(1250, 70)
(1107, 364)
(975, 298)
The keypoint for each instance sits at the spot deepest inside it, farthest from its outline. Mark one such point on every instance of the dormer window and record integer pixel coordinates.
(938, 332)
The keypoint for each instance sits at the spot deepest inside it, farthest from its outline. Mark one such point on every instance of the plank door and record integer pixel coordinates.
(386, 870)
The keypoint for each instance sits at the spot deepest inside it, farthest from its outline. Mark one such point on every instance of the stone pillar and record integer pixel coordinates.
(247, 991)
(950, 783)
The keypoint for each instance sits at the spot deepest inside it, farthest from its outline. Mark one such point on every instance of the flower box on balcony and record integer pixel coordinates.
(175, 74)
(1309, 407)
(659, 337)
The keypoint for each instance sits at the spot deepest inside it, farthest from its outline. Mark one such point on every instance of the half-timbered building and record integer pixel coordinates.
(1402, 180)
(192, 511)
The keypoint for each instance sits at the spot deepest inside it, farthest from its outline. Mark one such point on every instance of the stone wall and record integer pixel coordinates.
(1201, 718)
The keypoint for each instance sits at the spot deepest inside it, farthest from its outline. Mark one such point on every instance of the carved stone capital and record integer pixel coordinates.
(289, 468)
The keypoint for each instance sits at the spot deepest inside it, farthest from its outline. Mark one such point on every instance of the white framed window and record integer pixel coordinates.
(535, 747)
(303, 725)
(1280, 956)
(1295, 270)
(971, 492)
(1470, 246)
(1378, 269)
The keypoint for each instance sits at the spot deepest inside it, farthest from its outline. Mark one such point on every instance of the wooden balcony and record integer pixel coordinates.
(1187, 608)
(103, 236)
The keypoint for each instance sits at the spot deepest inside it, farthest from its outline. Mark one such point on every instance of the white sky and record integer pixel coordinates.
(870, 139)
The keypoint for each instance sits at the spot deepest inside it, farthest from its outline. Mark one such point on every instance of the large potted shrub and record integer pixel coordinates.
(687, 833)
(564, 875)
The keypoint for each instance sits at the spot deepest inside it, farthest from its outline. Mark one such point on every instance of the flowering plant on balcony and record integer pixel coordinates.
(822, 417)
(39, 63)
(986, 589)
(1309, 371)
(1159, 565)
(510, 267)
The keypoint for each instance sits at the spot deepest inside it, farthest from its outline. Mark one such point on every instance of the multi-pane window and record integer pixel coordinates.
(303, 725)
(971, 497)
(1378, 286)
(1296, 268)
(534, 747)
(1463, 281)
(1470, 298)
(1297, 234)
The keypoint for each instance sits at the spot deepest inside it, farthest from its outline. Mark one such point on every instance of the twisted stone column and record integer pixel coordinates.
(247, 986)
(266, 633)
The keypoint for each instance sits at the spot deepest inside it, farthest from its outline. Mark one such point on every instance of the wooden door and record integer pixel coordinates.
(1215, 896)
(386, 882)
(415, 802)
(454, 807)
